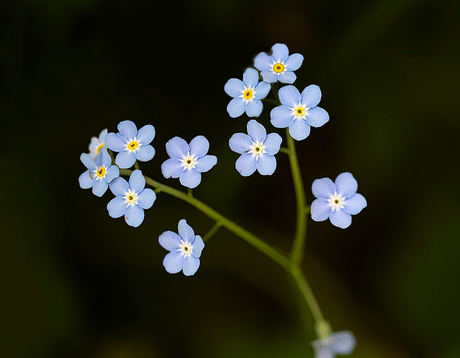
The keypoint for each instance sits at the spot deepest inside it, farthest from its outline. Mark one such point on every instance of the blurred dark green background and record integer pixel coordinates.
(76, 283)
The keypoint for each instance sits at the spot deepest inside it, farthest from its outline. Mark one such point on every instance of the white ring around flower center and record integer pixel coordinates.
(336, 201)
(299, 111)
(100, 172)
(185, 248)
(278, 67)
(247, 94)
(188, 161)
(130, 197)
(133, 145)
(257, 148)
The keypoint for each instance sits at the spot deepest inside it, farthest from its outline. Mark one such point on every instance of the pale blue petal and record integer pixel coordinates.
(272, 143)
(355, 204)
(256, 131)
(85, 180)
(262, 90)
(136, 181)
(190, 178)
(146, 198)
(134, 215)
(340, 219)
(125, 159)
(266, 164)
(171, 168)
(254, 108)
(206, 163)
(127, 129)
(177, 148)
(119, 186)
(299, 129)
(323, 188)
(324, 352)
(102, 135)
(280, 52)
(246, 164)
(173, 262)
(263, 62)
(115, 142)
(294, 62)
(100, 187)
(281, 116)
(198, 246)
(88, 161)
(346, 184)
(320, 209)
(234, 87)
(287, 77)
(236, 107)
(199, 146)
(169, 240)
(111, 173)
(190, 265)
(146, 134)
(269, 76)
(145, 153)
(316, 117)
(103, 159)
(240, 143)
(289, 95)
(250, 77)
(344, 342)
(311, 96)
(116, 207)
(185, 231)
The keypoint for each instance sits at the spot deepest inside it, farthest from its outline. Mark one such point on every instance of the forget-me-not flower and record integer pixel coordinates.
(187, 162)
(97, 143)
(341, 343)
(247, 94)
(185, 249)
(278, 66)
(131, 144)
(257, 149)
(336, 201)
(100, 172)
(130, 198)
(299, 111)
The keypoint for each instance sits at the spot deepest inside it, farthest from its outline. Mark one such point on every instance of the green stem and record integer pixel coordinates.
(302, 209)
(212, 231)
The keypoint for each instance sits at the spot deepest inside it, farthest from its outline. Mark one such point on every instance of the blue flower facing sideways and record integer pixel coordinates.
(100, 172)
(341, 343)
(185, 249)
(299, 111)
(131, 144)
(130, 198)
(97, 143)
(187, 162)
(247, 94)
(278, 66)
(336, 201)
(257, 149)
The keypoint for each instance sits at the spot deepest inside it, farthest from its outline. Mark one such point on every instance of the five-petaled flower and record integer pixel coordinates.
(257, 149)
(187, 162)
(185, 249)
(97, 143)
(130, 198)
(279, 66)
(341, 343)
(131, 144)
(299, 111)
(247, 94)
(336, 201)
(100, 172)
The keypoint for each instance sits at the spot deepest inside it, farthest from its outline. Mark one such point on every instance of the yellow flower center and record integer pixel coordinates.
(300, 111)
(130, 197)
(100, 172)
(278, 67)
(99, 148)
(133, 145)
(248, 94)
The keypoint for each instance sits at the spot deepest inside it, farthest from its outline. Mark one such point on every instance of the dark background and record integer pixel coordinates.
(77, 283)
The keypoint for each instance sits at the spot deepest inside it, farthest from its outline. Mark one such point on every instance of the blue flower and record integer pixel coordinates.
(130, 199)
(299, 111)
(185, 249)
(131, 144)
(278, 66)
(100, 172)
(187, 162)
(247, 94)
(97, 144)
(257, 149)
(342, 343)
(336, 201)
